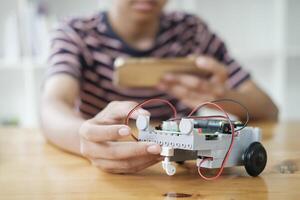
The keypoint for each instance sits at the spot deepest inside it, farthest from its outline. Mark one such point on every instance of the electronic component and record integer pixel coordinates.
(207, 139)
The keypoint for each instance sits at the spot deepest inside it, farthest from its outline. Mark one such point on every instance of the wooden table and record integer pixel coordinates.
(32, 169)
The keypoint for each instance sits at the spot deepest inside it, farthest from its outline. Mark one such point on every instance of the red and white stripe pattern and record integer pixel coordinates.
(87, 47)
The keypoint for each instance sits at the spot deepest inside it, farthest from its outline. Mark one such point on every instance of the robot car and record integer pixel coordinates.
(199, 139)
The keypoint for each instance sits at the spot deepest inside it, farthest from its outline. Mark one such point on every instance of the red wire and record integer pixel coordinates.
(147, 102)
(230, 146)
(194, 117)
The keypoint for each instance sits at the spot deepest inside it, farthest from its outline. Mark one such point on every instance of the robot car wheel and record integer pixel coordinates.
(255, 159)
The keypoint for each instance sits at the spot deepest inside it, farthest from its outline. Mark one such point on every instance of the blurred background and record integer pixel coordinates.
(263, 35)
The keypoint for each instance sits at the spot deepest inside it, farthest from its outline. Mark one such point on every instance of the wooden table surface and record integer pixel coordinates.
(32, 169)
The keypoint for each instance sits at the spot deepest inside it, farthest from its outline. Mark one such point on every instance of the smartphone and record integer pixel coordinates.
(147, 72)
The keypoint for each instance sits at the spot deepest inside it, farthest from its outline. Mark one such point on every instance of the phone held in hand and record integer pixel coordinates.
(147, 72)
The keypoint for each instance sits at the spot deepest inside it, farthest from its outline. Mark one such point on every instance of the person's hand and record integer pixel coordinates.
(98, 141)
(192, 90)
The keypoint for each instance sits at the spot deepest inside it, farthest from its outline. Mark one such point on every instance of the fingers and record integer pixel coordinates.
(218, 70)
(191, 90)
(101, 133)
(118, 150)
(188, 81)
(208, 63)
(185, 86)
(126, 150)
(207, 92)
(126, 166)
(177, 90)
(189, 97)
(194, 102)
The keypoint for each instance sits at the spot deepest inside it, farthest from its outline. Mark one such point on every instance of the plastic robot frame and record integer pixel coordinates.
(213, 141)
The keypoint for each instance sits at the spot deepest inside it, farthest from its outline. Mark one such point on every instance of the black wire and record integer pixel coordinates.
(241, 105)
(231, 101)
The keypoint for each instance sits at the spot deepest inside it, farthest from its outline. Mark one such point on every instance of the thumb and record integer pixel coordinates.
(204, 62)
(218, 71)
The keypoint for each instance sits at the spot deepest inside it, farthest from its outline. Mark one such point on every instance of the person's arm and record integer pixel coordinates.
(59, 120)
(258, 103)
(228, 80)
(193, 91)
(96, 138)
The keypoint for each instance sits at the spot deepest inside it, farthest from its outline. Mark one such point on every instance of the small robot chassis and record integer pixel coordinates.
(199, 139)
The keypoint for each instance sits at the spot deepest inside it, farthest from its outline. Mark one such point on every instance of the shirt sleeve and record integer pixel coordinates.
(208, 43)
(65, 52)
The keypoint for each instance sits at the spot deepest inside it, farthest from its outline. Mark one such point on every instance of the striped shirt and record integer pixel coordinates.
(86, 49)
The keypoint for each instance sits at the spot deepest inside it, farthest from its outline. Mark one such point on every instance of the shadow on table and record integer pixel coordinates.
(234, 183)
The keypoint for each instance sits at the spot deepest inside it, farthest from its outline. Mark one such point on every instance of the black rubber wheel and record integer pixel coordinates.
(255, 159)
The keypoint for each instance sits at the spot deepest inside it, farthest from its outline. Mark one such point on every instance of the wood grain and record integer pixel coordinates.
(32, 169)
